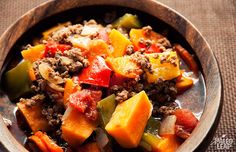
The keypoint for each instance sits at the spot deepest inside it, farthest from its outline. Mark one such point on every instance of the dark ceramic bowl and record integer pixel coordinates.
(152, 12)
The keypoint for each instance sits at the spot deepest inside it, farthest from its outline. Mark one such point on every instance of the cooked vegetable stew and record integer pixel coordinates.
(92, 87)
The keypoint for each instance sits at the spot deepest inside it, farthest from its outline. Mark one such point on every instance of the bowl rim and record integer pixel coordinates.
(211, 111)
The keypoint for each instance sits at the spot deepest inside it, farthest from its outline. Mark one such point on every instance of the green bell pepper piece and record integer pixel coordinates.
(153, 126)
(150, 139)
(106, 107)
(17, 81)
(127, 21)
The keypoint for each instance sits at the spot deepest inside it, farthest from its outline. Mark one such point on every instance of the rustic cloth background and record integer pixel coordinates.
(216, 20)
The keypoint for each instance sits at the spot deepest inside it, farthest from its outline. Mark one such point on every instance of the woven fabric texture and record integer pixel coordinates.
(215, 19)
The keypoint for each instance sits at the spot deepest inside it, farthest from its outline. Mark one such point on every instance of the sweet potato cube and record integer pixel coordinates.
(119, 43)
(76, 128)
(165, 66)
(34, 117)
(129, 120)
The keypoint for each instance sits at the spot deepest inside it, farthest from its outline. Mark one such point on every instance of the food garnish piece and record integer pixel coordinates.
(33, 116)
(89, 147)
(187, 57)
(34, 53)
(184, 84)
(85, 101)
(139, 37)
(76, 127)
(106, 107)
(127, 21)
(45, 143)
(165, 66)
(97, 73)
(124, 66)
(123, 124)
(17, 80)
(119, 43)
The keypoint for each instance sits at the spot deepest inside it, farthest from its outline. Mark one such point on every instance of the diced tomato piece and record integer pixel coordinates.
(102, 34)
(85, 101)
(52, 47)
(97, 73)
(186, 119)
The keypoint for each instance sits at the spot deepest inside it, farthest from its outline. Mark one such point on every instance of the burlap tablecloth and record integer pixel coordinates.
(216, 20)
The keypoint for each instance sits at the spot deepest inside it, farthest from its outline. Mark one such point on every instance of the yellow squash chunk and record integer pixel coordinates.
(129, 120)
(99, 47)
(34, 53)
(137, 34)
(119, 43)
(123, 66)
(76, 128)
(166, 70)
(34, 117)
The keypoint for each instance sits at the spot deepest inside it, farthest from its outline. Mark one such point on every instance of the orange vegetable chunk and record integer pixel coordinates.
(76, 128)
(119, 43)
(32, 75)
(123, 66)
(70, 87)
(44, 143)
(137, 34)
(183, 84)
(99, 47)
(129, 120)
(33, 116)
(170, 143)
(34, 53)
(164, 70)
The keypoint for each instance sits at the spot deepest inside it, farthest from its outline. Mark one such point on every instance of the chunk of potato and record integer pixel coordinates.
(34, 117)
(76, 128)
(129, 120)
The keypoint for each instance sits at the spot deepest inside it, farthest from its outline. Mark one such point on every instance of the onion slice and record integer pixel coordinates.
(168, 125)
(55, 87)
(45, 71)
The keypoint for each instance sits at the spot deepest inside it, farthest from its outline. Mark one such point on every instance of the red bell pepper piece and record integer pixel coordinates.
(52, 47)
(85, 101)
(186, 119)
(97, 73)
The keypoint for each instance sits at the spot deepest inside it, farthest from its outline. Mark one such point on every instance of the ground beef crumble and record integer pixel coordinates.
(142, 61)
